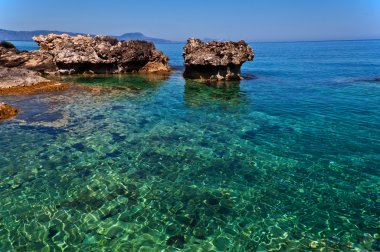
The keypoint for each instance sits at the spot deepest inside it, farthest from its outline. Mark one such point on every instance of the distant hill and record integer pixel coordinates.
(140, 36)
(28, 35)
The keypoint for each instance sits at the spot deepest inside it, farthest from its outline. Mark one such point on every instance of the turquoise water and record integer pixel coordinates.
(286, 161)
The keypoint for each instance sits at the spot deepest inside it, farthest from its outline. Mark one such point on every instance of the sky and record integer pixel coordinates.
(252, 20)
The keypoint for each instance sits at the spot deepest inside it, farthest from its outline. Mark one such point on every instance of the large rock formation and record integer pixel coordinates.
(63, 54)
(215, 60)
(101, 54)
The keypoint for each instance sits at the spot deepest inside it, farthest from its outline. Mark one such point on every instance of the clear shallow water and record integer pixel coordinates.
(287, 160)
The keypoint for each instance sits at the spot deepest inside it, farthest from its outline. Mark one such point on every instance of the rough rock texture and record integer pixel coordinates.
(7, 111)
(35, 60)
(63, 54)
(101, 54)
(215, 60)
(18, 76)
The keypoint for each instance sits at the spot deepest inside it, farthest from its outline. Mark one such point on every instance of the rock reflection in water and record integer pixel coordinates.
(126, 83)
(220, 95)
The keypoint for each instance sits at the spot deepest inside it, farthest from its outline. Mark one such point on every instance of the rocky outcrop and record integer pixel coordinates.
(7, 111)
(19, 77)
(101, 54)
(18, 80)
(21, 71)
(215, 60)
(64, 54)
(35, 60)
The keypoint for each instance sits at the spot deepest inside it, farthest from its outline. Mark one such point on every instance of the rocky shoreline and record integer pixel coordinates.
(11, 77)
(26, 72)
(64, 54)
(101, 55)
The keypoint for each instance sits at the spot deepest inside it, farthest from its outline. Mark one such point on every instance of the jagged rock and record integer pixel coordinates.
(215, 60)
(19, 77)
(101, 54)
(35, 60)
(7, 111)
(75, 55)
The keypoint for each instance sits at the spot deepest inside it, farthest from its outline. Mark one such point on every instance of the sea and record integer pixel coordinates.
(286, 160)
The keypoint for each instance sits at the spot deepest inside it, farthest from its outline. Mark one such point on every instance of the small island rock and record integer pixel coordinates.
(215, 60)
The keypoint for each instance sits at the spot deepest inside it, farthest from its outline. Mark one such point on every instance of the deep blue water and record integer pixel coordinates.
(287, 160)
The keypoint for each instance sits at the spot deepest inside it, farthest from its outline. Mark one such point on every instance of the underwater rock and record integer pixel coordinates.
(52, 232)
(115, 232)
(215, 60)
(177, 241)
(7, 111)
(101, 54)
(222, 243)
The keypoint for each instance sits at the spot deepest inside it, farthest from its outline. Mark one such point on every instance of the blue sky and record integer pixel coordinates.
(256, 20)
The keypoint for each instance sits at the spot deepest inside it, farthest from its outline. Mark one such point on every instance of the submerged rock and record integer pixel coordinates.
(101, 54)
(215, 60)
(177, 241)
(7, 111)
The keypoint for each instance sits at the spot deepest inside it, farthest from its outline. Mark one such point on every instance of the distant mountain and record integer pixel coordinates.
(28, 35)
(140, 36)
(210, 39)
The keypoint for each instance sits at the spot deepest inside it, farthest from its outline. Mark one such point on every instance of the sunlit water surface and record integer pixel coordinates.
(287, 160)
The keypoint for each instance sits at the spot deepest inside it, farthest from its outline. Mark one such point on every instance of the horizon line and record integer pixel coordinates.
(208, 40)
(249, 41)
